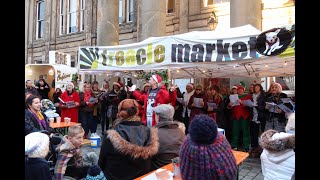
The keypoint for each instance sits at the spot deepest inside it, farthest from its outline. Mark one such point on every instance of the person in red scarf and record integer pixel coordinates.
(87, 102)
(69, 95)
(156, 95)
(215, 112)
(241, 116)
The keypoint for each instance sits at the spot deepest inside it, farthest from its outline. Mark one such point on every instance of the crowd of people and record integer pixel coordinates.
(145, 129)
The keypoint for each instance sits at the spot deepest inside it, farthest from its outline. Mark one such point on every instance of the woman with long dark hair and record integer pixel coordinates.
(35, 120)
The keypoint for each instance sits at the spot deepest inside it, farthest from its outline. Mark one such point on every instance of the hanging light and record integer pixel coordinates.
(212, 21)
(29, 72)
(51, 72)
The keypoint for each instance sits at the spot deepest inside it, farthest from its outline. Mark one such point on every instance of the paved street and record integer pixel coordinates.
(250, 169)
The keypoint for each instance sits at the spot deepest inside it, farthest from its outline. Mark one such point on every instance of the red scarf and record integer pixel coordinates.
(87, 95)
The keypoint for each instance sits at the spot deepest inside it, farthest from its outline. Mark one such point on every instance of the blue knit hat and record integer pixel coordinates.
(206, 154)
(95, 173)
(203, 129)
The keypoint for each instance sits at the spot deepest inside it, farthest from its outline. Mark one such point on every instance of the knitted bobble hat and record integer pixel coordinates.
(95, 173)
(203, 129)
(206, 154)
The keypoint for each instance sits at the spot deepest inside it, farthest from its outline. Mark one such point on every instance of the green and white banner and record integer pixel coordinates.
(183, 50)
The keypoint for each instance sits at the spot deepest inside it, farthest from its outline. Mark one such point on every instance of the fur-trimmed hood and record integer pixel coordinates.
(138, 144)
(119, 120)
(280, 141)
(277, 147)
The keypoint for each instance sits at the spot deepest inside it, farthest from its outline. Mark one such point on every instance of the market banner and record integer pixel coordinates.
(184, 50)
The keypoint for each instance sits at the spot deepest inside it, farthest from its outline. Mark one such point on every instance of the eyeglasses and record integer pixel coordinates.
(198, 89)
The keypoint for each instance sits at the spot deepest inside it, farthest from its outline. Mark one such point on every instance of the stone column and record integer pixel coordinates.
(26, 29)
(244, 12)
(48, 5)
(153, 18)
(108, 23)
(184, 16)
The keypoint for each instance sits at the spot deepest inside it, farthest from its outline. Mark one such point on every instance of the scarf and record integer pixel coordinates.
(87, 95)
(186, 98)
(39, 117)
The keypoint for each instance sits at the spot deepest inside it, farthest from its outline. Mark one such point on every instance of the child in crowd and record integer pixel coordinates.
(70, 161)
(36, 149)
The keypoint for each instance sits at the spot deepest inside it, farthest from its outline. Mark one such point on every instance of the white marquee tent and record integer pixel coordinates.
(218, 54)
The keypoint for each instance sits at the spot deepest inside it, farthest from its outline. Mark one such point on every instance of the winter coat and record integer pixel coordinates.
(219, 111)
(278, 156)
(32, 125)
(186, 98)
(37, 169)
(68, 155)
(171, 138)
(196, 110)
(276, 98)
(163, 97)
(43, 92)
(126, 151)
(261, 103)
(114, 99)
(70, 112)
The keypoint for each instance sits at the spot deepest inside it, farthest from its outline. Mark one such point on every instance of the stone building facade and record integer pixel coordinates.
(64, 25)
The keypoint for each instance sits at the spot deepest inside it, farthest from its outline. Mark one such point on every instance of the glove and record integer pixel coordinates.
(132, 88)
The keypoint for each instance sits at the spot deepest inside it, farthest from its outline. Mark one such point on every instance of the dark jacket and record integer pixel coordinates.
(196, 110)
(276, 98)
(170, 140)
(261, 107)
(31, 124)
(127, 150)
(43, 92)
(83, 106)
(114, 99)
(37, 169)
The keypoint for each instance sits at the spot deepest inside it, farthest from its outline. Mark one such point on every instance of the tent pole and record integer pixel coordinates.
(169, 75)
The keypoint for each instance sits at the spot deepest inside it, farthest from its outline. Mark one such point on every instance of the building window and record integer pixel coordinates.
(129, 10)
(72, 16)
(125, 11)
(40, 19)
(120, 12)
(82, 7)
(170, 6)
(61, 22)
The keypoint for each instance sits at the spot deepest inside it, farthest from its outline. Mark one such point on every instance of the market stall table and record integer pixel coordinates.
(62, 127)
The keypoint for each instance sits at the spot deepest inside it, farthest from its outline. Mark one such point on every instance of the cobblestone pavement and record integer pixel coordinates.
(250, 169)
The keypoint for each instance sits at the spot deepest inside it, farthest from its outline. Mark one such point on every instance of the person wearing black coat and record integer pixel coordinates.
(275, 118)
(127, 149)
(43, 89)
(36, 149)
(35, 120)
